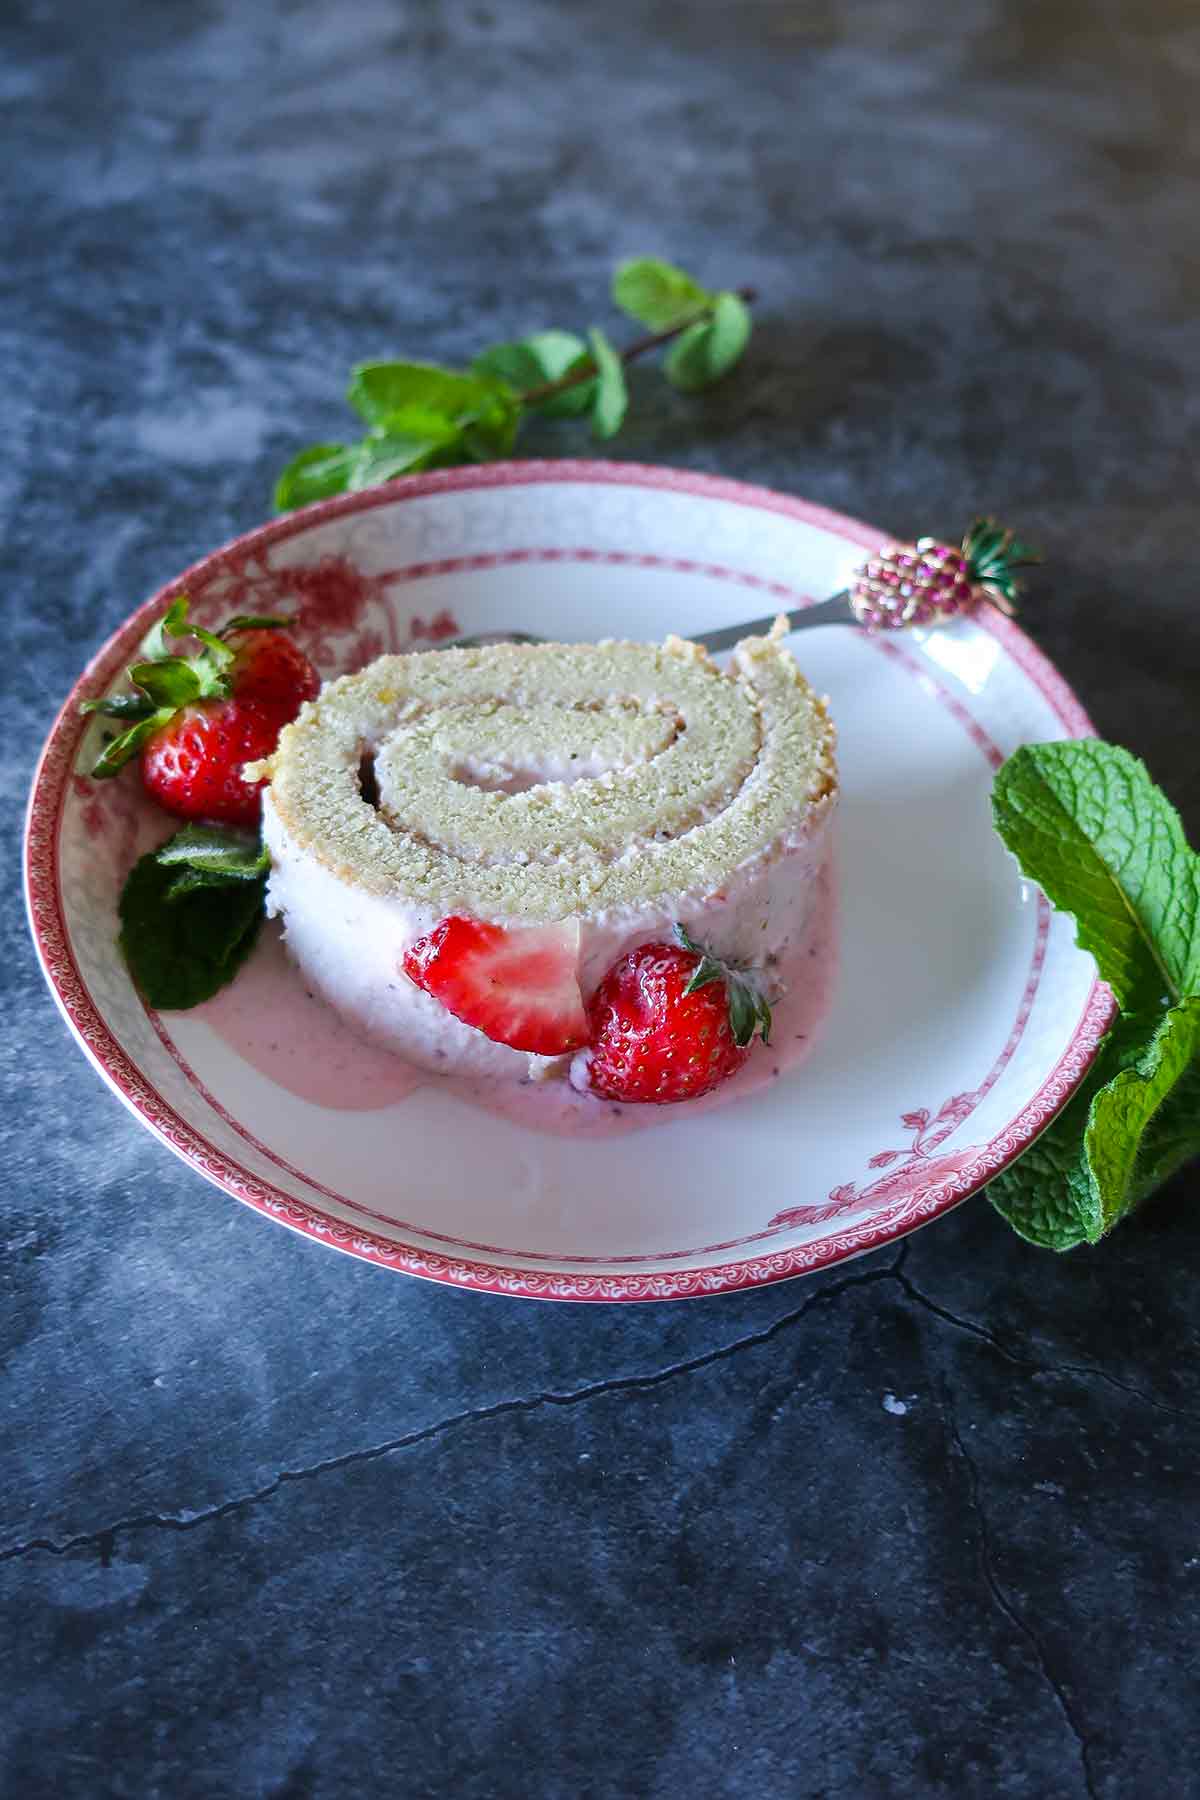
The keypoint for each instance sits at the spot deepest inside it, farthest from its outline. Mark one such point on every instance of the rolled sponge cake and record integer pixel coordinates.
(624, 786)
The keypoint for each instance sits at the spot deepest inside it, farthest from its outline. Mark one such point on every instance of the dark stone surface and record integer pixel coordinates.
(280, 1524)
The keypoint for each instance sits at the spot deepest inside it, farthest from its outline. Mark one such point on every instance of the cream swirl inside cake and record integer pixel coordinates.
(599, 793)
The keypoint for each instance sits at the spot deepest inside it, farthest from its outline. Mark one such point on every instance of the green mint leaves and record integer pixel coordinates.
(316, 474)
(543, 360)
(1089, 826)
(1086, 822)
(717, 325)
(190, 914)
(1138, 1124)
(657, 294)
(422, 416)
(709, 350)
(418, 416)
(612, 396)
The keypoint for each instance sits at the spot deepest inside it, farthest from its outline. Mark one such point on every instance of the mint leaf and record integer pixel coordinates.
(1146, 1123)
(534, 361)
(235, 855)
(709, 349)
(573, 402)
(612, 396)
(1086, 822)
(1048, 1195)
(381, 458)
(423, 416)
(491, 429)
(182, 951)
(1134, 1121)
(186, 881)
(656, 293)
(380, 390)
(729, 333)
(316, 474)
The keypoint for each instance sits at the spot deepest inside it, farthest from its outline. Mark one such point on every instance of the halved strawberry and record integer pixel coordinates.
(518, 985)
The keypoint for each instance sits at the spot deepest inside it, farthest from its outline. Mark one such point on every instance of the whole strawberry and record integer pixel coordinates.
(669, 1022)
(193, 765)
(197, 720)
(270, 667)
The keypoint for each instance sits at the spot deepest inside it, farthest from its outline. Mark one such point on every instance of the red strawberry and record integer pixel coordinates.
(669, 1022)
(271, 667)
(198, 719)
(193, 764)
(518, 986)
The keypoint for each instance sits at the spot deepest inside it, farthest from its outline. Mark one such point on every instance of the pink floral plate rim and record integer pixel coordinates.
(51, 939)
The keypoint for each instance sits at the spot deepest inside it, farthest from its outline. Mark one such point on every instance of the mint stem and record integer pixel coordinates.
(587, 370)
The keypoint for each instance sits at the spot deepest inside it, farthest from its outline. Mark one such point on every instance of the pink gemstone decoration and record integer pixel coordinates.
(926, 583)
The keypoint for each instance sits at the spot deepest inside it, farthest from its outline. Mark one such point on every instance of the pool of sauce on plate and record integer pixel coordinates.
(269, 1018)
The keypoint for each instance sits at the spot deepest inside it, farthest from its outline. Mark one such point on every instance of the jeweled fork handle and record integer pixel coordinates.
(927, 583)
(931, 583)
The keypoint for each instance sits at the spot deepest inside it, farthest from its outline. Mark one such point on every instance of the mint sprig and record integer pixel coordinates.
(542, 362)
(1089, 826)
(1086, 822)
(708, 350)
(191, 912)
(423, 416)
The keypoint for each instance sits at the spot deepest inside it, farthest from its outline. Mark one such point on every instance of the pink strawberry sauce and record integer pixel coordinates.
(269, 1019)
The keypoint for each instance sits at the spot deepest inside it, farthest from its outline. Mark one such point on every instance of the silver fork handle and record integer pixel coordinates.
(834, 611)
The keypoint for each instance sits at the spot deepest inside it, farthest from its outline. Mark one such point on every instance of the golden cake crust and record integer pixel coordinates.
(689, 774)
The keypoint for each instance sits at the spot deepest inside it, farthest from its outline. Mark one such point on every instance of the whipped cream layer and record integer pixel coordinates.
(625, 786)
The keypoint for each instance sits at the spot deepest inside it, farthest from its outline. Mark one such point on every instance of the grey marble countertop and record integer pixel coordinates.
(277, 1523)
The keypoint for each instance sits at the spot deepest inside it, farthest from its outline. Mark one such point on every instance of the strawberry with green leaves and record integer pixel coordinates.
(668, 1022)
(195, 721)
(671, 1022)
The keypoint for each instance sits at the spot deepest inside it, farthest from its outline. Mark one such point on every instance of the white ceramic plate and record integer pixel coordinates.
(963, 1016)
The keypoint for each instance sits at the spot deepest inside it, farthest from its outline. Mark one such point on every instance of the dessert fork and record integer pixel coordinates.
(925, 583)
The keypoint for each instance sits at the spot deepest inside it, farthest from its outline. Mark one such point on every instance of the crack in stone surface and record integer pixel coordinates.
(1005, 1606)
(1032, 1363)
(104, 1539)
